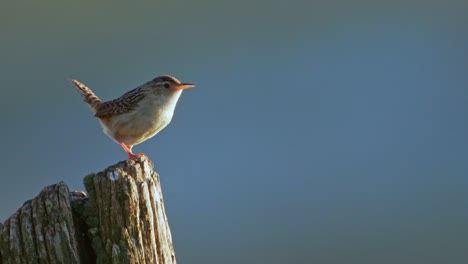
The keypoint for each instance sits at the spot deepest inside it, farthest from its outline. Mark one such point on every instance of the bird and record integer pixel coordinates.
(137, 115)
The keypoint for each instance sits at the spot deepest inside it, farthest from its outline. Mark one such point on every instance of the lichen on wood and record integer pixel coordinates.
(133, 226)
(42, 230)
(121, 220)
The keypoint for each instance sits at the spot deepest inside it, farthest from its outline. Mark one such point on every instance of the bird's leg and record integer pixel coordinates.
(128, 149)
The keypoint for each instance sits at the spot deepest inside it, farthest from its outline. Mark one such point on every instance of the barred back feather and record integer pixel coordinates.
(124, 104)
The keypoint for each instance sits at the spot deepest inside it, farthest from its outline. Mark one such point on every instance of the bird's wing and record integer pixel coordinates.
(126, 103)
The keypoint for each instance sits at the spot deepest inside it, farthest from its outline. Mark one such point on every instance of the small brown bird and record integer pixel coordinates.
(138, 114)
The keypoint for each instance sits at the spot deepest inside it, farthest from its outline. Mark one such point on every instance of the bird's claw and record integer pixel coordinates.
(132, 156)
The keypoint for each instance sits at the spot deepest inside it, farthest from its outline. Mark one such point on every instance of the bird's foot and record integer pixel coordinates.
(128, 149)
(132, 156)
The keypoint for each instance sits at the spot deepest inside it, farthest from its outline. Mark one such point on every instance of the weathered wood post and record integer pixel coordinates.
(121, 220)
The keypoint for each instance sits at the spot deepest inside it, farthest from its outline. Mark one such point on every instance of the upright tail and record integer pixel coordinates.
(88, 96)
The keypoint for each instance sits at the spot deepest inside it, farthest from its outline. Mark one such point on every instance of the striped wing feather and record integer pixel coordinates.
(126, 103)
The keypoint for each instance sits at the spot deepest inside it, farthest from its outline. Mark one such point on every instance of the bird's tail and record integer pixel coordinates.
(88, 96)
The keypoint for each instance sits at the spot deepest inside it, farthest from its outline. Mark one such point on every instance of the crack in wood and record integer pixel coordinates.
(121, 221)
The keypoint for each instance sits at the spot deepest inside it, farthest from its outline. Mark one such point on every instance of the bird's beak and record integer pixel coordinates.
(183, 86)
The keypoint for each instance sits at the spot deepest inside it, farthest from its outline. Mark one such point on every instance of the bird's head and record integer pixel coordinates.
(167, 85)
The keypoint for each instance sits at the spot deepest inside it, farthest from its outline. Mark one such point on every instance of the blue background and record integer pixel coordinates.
(319, 132)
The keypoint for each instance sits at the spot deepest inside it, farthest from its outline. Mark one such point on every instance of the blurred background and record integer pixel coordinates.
(319, 131)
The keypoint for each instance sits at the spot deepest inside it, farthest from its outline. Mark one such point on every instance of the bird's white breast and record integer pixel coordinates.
(151, 116)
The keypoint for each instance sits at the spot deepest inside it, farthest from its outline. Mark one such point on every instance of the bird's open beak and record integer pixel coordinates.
(183, 86)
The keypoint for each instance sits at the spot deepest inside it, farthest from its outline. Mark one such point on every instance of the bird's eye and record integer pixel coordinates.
(166, 85)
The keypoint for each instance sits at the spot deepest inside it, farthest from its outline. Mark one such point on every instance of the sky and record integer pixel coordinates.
(318, 131)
